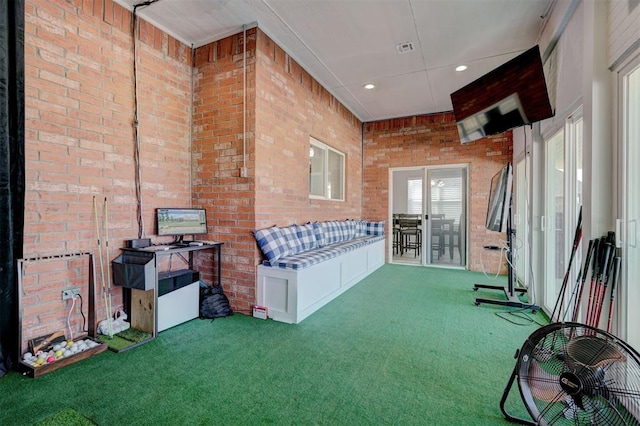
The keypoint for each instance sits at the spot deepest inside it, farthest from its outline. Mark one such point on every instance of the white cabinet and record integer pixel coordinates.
(178, 306)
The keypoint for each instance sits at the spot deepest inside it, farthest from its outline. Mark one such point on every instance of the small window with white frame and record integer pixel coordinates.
(326, 172)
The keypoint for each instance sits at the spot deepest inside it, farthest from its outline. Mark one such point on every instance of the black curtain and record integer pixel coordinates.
(11, 173)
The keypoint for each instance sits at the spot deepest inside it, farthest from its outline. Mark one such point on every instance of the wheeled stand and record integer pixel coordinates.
(510, 292)
(512, 299)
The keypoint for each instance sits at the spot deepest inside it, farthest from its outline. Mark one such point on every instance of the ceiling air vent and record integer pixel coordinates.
(405, 47)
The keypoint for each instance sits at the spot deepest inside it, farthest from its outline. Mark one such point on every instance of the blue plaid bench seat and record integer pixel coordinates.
(297, 247)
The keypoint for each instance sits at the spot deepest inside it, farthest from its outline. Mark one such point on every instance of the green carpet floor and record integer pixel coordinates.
(406, 346)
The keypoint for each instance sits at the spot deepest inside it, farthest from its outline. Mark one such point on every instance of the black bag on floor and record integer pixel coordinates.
(213, 302)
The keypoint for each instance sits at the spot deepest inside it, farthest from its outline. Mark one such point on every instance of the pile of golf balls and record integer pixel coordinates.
(58, 351)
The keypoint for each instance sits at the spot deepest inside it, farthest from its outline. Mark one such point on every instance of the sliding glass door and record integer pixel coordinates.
(447, 216)
(521, 224)
(429, 215)
(563, 199)
(407, 214)
(554, 218)
(630, 287)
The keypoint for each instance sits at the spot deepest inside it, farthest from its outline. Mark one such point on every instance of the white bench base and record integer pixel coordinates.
(292, 295)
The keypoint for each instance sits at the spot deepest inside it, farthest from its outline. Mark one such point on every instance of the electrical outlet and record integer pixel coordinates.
(70, 292)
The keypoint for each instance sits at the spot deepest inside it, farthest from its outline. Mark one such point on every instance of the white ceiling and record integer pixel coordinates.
(347, 43)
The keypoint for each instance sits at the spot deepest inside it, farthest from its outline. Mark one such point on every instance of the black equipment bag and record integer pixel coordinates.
(213, 302)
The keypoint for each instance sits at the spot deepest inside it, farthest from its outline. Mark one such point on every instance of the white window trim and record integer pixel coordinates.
(316, 144)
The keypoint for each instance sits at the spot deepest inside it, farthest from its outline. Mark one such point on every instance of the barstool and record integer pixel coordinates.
(411, 240)
(395, 228)
(397, 246)
(410, 234)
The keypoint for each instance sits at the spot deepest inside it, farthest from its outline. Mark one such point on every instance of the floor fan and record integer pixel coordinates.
(573, 374)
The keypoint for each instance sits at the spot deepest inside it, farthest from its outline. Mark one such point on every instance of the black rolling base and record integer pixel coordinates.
(512, 299)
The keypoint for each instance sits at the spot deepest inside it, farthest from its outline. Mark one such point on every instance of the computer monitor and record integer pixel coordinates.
(181, 222)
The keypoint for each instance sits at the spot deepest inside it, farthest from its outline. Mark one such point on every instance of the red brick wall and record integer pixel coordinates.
(429, 140)
(79, 136)
(219, 155)
(285, 106)
(291, 107)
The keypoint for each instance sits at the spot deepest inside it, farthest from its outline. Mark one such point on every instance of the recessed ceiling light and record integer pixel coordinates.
(369, 86)
(461, 68)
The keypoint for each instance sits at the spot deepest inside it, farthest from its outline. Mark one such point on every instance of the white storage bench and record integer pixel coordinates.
(295, 282)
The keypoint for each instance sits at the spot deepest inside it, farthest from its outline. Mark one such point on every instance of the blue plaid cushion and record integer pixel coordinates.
(291, 235)
(361, 228)
(307, 236)
(332, 232)
(272, 243)
(343, 230)
(375, 228)
(306, 259)
(349, 229)
(318, 230)
(352, 226)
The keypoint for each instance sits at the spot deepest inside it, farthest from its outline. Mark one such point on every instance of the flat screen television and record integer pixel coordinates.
(498, 209)
(181, 222)
(510, 96)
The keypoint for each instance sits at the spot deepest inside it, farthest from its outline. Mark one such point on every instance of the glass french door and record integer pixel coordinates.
(563, 200)
(446, 243)
(406, 209)
(433, 200)
(630, 135)
(521, 224)
(554, 218)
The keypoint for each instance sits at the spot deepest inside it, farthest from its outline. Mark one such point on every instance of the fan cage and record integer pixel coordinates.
(574, 374)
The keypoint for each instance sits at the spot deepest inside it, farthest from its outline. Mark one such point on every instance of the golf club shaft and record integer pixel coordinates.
(577, 237)
(614, 279)
(581, 285)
